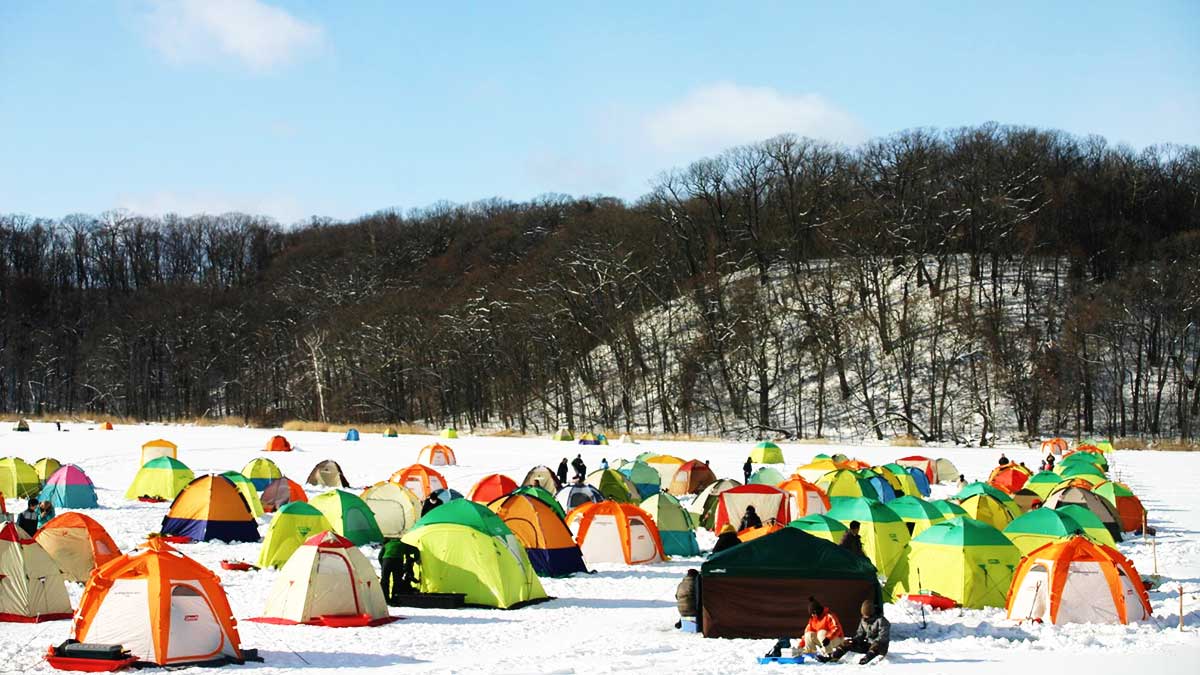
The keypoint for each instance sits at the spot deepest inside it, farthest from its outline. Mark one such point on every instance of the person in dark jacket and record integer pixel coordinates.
(852, 540)
(872, 638)
(726, 538)
(28, 519)
(1004, 460)
(747, 469)
(397, 569)
(685, 597)
(579, 466)
(562, 472)
(750, 519)
(431, 503)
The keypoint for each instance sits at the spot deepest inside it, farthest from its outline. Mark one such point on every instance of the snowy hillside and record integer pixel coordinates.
(619, 619)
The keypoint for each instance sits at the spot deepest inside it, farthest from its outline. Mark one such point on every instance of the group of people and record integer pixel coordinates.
(35, 516)
(825, 638)
(579, 467)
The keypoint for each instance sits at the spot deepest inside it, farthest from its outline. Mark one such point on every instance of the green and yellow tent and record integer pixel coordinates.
(996, 493)
(766, 475)
(843, 483)
(349, 515)
(1082, 469)
(261, 472)
(614, 485)
(822, 526)
(1043, 483)
(884, 534)
(18, 478)
(293, 523)
(1040, 527)
(161, 478)
(986, 508)
(919, 514)
(1093, 527)
(766, 452)
(459, 558)
(962, 559)
(948, 508)
(45, 467)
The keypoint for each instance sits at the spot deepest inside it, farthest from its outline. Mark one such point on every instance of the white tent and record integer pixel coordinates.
(31, 586)
(327, 581)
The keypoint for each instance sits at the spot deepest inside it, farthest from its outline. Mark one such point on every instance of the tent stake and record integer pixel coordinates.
(1180, 606)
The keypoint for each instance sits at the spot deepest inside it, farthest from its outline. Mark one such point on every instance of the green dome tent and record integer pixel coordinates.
(766, 475)
(293, 523)
(821, 525)
(349, 515)
(963, 559)
(766, 452)
(675, 525)
(1040, 527)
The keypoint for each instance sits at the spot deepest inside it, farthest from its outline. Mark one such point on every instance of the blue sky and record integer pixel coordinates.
(299, 108)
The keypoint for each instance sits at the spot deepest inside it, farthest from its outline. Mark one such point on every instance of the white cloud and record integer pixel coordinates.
(714, 117)
(260, 36)
(284, 209)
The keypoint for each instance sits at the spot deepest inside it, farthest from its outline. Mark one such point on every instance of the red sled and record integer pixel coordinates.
(331, 621)
(176, 538)
(87, 665)
(933, 601)
(237, 566)
(151, 500)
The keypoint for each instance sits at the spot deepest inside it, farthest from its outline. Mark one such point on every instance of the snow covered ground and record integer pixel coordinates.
(619, 619)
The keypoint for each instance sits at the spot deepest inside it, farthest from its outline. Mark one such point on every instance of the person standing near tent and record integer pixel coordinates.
(579, 466)
(562, 472)
(1048, 465)
(747, 469)
(45, 514)
(431, 503)
(1004, 460)
(750, 519)
(603, 463)
(28, 519)
(726, 538)
(397, 561)
(872, 638)
(852, 540)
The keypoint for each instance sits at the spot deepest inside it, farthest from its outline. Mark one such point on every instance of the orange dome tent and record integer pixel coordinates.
(806, 497)
(106, 426)
(77, 544)
(1055, 446)
(615, 532)
(436, 454)
(491, 487)
(1010, 477)
(164, 607)
(421, 479)
(1077, 581)
(278, 444)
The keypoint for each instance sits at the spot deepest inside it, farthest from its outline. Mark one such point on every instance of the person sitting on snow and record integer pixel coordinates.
(685, 597)
(871, 639)
(726, 538)
(750, 519)
(822, 634)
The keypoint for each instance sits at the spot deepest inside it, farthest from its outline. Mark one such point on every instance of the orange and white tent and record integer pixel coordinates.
(925, 464)
(1055, 446)
(1077, 581)
(164, 607)
(421, 479)
(327, 581)
(77, 544)
(666, 466)
(31, 587)
(436, 454)
(615, 532)
(806, 497)
(159, 447)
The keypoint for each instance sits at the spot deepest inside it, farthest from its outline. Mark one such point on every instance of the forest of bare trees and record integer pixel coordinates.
(956, 285)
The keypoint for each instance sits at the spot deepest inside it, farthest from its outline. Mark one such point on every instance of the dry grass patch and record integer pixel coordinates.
(1129, 443)
(906, 441)
(1176, 445)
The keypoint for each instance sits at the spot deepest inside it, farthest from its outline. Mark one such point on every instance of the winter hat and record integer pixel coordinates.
(814, 606)
(726, 529)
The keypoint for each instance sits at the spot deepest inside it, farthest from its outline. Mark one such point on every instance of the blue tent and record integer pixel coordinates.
(882, 487)
(352, 435)
(920, 479)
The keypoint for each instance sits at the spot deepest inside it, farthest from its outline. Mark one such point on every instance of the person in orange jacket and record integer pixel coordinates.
(824, 632)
